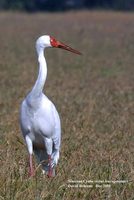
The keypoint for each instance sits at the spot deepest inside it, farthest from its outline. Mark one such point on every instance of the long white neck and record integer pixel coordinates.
(39, 84)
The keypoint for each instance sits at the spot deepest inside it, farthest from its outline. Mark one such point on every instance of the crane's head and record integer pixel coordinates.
(49, 41)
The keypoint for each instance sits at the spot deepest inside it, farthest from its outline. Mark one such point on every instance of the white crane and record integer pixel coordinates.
(39, 119)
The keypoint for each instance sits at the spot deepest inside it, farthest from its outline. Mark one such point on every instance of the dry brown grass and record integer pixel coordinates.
(94, 94)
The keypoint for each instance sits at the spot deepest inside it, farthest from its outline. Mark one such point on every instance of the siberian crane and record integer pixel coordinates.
(39, 119)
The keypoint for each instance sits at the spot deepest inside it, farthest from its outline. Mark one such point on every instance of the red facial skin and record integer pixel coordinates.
(57, 44)
(54, 42)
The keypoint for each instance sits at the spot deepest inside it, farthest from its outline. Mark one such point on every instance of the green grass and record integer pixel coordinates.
(94, 94)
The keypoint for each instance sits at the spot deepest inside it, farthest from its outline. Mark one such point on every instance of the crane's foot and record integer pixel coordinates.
(31, 173)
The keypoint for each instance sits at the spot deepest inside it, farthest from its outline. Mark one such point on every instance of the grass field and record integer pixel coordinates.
(94, 94)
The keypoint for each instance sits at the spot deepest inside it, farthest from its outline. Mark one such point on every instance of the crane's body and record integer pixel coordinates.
(39, 119)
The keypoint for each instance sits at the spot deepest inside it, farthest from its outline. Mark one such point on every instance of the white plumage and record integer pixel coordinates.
(39, 119)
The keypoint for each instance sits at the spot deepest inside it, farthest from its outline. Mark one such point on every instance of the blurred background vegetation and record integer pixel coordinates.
(61, 5)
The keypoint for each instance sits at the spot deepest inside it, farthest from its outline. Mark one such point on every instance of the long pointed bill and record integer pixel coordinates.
(68, 48)
(61, 45)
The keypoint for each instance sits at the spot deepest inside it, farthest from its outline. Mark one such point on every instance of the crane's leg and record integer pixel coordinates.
(31, 168)
(50, 167)
(30, 150)
(49, 145)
